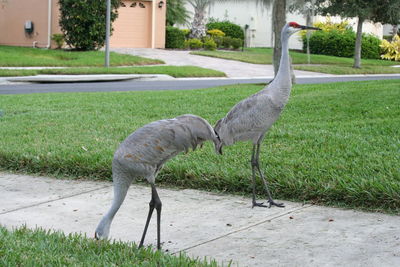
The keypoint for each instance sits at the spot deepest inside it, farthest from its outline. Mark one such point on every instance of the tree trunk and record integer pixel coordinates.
(395, 29)
(309, 22)
(278, 21)
(198, 25)
(357, 48)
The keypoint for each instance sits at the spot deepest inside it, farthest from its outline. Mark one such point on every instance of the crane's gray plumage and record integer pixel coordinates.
(251, 118)
(142, 155)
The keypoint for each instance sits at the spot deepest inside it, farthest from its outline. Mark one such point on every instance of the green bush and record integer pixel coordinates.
(193, 43)
(227, 42)
(186, 32)
(219, 40)
(83, 22)
(370, 46)
(236, 43)
(341, 44)
(209, 44)
(58, 38)
(174, 37)
(230, 29)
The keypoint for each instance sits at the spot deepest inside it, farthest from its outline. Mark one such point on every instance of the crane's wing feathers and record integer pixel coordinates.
(161, 140)
(248, 120)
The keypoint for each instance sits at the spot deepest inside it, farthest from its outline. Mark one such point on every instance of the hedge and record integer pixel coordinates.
(174, 37)
(230, 29)
(341, 44)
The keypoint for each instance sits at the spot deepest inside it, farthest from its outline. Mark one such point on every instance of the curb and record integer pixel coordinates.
(83, 78)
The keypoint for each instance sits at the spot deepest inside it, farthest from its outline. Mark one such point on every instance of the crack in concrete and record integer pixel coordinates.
(53, 200)
(244, 228)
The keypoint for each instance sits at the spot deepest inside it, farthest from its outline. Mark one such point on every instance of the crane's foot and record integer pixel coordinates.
(273, 203)
(270, 204)
(258, 204)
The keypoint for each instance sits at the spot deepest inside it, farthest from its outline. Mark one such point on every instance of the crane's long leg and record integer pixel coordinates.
(155, 202)
(253, 170)
(257, 164)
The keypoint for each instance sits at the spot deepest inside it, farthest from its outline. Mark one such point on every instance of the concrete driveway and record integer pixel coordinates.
(202, 224)
(232, 68)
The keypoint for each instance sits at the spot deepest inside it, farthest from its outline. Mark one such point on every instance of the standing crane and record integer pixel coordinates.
(251, 118)
(142, 155)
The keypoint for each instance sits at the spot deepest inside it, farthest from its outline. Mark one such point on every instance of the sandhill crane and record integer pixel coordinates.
(252, 117)
(142, 155)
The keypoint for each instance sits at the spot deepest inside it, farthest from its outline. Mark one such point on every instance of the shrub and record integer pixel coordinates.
(230, 29)
(186, 32)
(58, 38)
(391, 50)
(209, 44)
(216, 33)
(83, 22)
(227, 42)
(193, 43)
(174, 37)
(341, 44)
(219, 41)
(236, 43)
(329, 26)
(370, 46)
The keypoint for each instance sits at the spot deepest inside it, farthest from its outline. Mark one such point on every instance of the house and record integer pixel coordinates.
(258, 19)
(141, 23)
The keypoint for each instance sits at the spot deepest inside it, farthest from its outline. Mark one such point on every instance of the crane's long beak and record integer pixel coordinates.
(309, 28)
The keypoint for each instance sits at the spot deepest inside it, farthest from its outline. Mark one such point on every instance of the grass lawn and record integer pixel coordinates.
(24, 247)
(91, 62)
(336, 144)
(325, 64)
(174, 71)
(12, 56)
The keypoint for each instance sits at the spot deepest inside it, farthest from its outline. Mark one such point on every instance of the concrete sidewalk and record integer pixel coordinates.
(222, 227)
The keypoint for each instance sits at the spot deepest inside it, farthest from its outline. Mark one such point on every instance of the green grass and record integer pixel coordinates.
(325, 64)
(336, 144)
(174, 71)
(348, 69)
(24, 247)
(11, 56)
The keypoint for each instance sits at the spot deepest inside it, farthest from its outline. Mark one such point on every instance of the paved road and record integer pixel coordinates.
(174, 84)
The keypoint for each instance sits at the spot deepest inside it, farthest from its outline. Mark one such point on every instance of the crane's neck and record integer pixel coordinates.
(282, 83)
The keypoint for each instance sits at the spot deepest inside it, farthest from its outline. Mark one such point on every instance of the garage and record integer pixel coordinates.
(133, 28)
(140, 23)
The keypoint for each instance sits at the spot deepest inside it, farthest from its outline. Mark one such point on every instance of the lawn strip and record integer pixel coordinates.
(174, 71)
(25, 247)
(336, 144)
(13, 56)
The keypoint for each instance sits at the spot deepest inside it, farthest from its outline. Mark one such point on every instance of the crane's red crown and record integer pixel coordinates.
(294, 25)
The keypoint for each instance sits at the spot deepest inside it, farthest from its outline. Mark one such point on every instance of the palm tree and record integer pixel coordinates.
(177, 12)
(198, 29)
